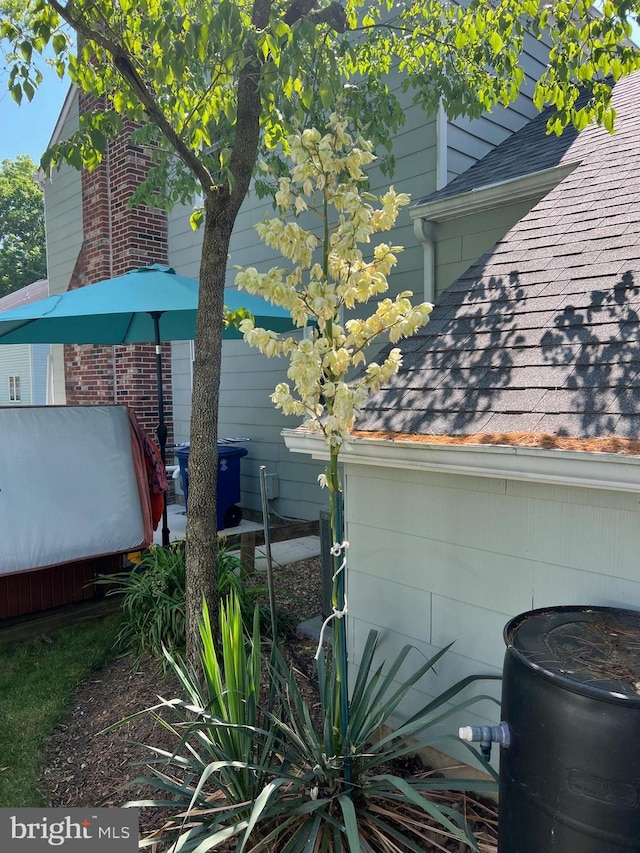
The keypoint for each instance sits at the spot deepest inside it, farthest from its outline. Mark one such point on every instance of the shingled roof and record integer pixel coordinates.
(542, 334)
(30, 293)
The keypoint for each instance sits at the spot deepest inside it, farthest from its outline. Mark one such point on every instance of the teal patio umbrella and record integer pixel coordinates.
(152, 304)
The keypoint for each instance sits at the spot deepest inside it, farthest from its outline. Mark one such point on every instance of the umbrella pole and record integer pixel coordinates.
(162, 427)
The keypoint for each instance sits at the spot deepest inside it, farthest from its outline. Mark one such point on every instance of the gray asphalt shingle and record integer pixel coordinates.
(541, 334)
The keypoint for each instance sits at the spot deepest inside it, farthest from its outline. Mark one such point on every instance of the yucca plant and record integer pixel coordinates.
(263, 776)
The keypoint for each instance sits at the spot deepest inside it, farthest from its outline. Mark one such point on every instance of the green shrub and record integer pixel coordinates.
(153, 603)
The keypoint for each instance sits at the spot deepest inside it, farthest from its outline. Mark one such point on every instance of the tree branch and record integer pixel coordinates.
(333, 14)
(123, 64)
(247, 129)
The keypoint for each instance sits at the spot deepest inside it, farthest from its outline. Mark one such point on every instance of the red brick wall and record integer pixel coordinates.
(117, 239)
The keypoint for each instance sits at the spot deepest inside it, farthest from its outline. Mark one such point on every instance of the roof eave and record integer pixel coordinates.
(539, 465)
(479, 199)
(64, 112)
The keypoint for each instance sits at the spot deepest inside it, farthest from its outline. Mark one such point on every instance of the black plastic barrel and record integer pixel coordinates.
(570, 780)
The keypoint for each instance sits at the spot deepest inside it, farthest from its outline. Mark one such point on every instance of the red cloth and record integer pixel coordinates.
(150, 476)
(156, 478)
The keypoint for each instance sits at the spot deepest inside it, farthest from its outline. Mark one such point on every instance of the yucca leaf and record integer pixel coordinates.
(366, 661)
(449, 784)
(456, 688)
(350, 822)
(382, 706)
(266, 843)
(313, 835)
(261, 803)
(391, 832)
(431, 808)
(429, 721)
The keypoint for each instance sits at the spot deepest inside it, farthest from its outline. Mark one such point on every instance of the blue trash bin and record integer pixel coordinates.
(228, 492)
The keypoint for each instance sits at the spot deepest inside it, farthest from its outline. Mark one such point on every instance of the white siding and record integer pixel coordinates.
(248, 378)
(438, 558)
(39, 358)
(181, 385)
(63, 216)
(460, 242)
(63, 223)
(15, 360)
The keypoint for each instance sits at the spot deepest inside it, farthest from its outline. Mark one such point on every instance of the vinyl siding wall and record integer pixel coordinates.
(39, 357)
(63, 223)
(15, 360)
(460, 242)
(439, 558)
(63, 216)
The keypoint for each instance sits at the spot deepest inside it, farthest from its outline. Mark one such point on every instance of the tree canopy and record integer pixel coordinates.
(213, 86)
(22, 242)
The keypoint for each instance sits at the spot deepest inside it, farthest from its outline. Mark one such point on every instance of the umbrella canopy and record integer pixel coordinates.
(152, 304)
(120, 311)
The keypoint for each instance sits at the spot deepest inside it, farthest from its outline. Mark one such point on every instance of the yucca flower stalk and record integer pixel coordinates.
(328, 277)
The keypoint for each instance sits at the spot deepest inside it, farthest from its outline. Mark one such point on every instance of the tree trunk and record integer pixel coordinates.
(221, 209)
(202, 540)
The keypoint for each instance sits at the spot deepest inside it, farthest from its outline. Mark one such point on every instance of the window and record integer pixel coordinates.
(14, 389)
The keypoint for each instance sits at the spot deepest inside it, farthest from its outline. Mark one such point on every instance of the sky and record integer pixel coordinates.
(27, 129)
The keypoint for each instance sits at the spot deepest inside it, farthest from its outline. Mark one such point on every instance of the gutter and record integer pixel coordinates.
(582, 469)
(489, 196)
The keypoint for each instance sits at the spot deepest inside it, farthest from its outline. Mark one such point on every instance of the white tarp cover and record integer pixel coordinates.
(68, 486)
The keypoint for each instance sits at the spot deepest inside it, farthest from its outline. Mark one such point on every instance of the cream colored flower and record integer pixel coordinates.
(324, 281)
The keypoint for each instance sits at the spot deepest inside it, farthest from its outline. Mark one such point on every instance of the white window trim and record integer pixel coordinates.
(15, 391)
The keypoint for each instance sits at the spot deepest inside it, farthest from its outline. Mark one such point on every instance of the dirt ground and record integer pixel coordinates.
(85, 767)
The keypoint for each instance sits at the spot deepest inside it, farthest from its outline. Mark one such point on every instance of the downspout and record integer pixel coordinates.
(425, 232)
(424, 229)
(442, 148)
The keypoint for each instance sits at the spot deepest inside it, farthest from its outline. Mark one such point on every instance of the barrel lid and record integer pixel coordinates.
(591, 649)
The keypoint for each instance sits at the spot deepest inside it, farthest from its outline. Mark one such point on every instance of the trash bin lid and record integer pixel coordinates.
(231, 450)
(223, 450)
(592, 649)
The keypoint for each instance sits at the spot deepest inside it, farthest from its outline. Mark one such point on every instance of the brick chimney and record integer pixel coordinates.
(117, 239)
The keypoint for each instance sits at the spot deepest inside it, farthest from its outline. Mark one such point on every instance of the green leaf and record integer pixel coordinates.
(350, 823)
(26, 49)
(609, 120)
(59, 43)
(326, 94)
(406, 789)
(259, 807)
(580, 119)
(307, 97)
(495, 39)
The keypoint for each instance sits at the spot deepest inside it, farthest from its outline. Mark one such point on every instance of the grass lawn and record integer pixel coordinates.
(37, 678)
